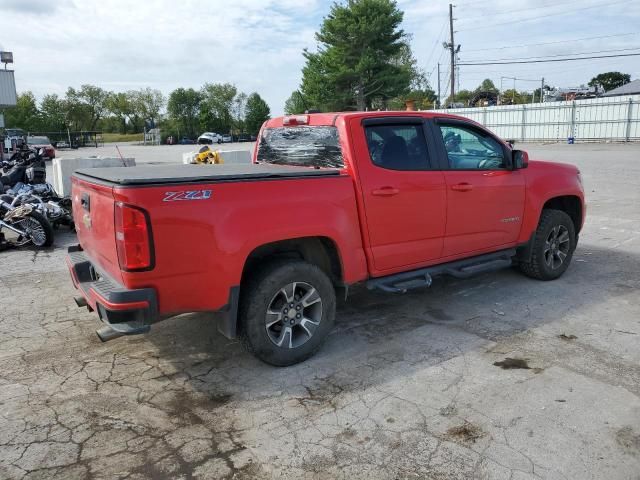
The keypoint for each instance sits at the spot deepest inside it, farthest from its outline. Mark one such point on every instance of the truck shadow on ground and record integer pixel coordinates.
(379, 336)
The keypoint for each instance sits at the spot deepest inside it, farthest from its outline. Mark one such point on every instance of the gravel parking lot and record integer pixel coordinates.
(405, 387)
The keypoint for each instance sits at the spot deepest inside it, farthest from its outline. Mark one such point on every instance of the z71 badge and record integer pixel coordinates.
(188, 195)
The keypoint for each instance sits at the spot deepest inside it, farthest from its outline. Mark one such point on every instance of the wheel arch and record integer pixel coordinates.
(320, 251)
(571, 205)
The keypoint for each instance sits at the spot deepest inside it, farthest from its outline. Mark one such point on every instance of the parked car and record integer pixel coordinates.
(227, 138)
(389, 199)
(44, 143)
(244, 137)
(12, 136)
(207, 138)
(253, 138)
(187, 141)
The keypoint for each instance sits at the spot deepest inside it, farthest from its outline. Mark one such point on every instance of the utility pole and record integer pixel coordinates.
(439, 85)
(453, 52)
(542, 91)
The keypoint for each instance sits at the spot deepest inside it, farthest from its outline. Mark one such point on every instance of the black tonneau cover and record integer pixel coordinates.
(159, 174)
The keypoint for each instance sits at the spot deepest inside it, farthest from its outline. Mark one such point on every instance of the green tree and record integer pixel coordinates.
(462, 96)
(295, 103)
(487, 85)
(217, 107)
(25, 114)
(149, 102)
(360, 55)
(610, 80)
(257, 112)
(183, 108)
(513, 97)
(53, 116)
(120, 106)
(238, 111)
(87, 105)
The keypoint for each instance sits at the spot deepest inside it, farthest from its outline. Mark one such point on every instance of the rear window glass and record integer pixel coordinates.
(302, 146)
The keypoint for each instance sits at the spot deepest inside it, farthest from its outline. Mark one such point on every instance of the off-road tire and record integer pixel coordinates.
(256, 298)
(537, 267)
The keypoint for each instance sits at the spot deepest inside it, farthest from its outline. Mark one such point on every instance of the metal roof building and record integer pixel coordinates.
(7, 89)
(631, 88)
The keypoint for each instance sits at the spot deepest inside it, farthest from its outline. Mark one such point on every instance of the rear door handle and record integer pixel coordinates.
(462, 187)
(385, 191)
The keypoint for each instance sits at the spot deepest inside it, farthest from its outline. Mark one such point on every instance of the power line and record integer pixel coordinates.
(553, 43)
(561, 54)
(607, 4)
(511, 12)
(436, 43)
(554, 59)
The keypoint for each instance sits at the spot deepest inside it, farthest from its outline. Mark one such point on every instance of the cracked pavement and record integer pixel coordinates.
(405, 387)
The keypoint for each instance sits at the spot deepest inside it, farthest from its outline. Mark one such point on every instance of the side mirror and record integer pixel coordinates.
(520, 159)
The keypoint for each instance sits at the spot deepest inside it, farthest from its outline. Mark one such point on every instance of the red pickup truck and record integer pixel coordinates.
(387, 198)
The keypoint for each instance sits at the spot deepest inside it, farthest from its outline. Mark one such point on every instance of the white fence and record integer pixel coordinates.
(596, 119)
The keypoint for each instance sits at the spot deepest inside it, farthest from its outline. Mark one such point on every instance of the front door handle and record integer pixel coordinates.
(462, 187)
(385, 191)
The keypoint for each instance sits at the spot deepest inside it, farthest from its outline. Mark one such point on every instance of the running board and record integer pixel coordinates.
(401, 282)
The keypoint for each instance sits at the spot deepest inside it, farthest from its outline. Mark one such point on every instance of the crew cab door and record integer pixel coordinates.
(403, 194)
(485, 197)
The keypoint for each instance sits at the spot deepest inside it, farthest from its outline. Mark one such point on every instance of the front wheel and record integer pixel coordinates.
(553, 246)
(37, 228)
(287, 312)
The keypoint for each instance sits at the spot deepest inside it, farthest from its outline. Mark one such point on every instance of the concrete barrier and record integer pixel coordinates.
(63, 168)
(229, 157)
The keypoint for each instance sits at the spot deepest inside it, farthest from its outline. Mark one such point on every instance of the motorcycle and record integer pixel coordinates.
(24, 182)
(25, 225)
(44, 199)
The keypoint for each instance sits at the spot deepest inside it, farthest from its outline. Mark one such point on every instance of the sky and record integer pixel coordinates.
(257, 44)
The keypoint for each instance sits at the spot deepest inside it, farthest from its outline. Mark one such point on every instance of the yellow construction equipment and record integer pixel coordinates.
(207, 156)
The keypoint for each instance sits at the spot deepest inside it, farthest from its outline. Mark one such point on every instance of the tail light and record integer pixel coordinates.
(133, 238)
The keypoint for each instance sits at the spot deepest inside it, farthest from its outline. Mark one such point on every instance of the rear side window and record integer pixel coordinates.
(398, 147)
(302, 146)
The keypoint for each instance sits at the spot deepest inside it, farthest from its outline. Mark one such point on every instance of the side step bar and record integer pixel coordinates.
(401, 282)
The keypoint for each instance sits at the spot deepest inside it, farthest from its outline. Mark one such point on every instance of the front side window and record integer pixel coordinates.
(398, 147)
(302, 146)
(470, 149)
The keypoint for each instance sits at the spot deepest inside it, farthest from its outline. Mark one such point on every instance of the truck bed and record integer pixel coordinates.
(172, 174)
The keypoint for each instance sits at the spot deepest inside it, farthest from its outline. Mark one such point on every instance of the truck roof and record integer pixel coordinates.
(330, 118)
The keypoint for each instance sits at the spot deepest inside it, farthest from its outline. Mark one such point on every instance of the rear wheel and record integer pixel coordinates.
(287, 312)
(553, 246)
(37, 228)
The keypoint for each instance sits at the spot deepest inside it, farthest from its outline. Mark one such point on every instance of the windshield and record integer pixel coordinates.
(302, 146)
(38, 141)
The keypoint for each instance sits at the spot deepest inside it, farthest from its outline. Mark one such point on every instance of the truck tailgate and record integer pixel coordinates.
(93, 214)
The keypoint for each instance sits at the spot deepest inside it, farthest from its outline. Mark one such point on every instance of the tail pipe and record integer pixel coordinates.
(107, 333)
(80, 301)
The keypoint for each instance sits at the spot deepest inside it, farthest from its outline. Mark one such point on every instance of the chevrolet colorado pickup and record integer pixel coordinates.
(387, 198)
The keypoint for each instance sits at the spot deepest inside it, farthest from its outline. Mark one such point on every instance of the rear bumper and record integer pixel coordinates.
(125, 311)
